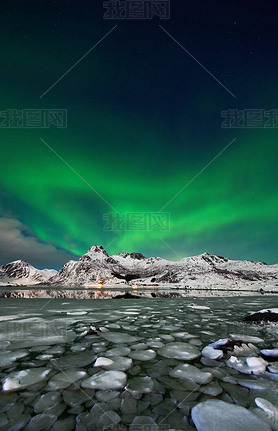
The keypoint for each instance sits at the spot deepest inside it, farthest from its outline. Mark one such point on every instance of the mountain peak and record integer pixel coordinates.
(134, 255)
(23, 270)
(96, 252)
(208, 257)
(17, 263)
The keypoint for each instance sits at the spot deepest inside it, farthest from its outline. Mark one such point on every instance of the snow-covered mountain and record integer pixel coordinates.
(205, 270)
(20, 272)
(133, 268)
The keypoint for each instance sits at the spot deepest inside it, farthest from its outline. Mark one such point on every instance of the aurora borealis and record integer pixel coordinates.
(144, 119)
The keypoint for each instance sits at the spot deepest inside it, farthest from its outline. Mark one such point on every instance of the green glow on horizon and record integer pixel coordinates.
(61, 209)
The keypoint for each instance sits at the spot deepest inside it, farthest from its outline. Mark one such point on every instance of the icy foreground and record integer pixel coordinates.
(129, 365)
(96, 266)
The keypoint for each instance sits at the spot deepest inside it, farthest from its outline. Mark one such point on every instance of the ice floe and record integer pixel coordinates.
(250, 365)
(65, 379)
(190, 372)
(103, 362)
(212, 353)
(143, 422)
(119, 363)
(247, 338)
(179, 350)
(217, 415)
(143, 355)
(118, 351)
(24, 378)
(140, 385)
(46, 401)
(105, 380)
(272, 353)
(119, 337)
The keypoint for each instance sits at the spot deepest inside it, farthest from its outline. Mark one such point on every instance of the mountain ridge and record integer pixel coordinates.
(96, 266)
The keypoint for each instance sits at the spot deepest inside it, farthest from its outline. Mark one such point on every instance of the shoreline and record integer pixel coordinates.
(125, 293)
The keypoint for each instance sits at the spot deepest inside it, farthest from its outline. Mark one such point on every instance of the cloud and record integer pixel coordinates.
(17, 241)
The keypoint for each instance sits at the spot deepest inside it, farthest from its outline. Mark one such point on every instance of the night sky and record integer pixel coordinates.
(144, 123)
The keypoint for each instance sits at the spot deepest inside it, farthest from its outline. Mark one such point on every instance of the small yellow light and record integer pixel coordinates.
(99, 285)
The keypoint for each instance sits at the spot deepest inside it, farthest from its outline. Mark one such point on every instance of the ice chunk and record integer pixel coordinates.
(119, 337)
(273, 368)
(128, 405)
(24, 378)
(119, 363)
(105, 380)
(258, 384)
(55, 350)
(105, 396)
(140, 385)
(238, 394)
(155, 344)
(118, 351)
(139, 346)
(70, 360)
(180, 350)
(103, 362)
(143, 422)
(75, 398)
(270, 352)
(143, 355)
(108, 419)
(212, 389)
(41, 422)
(247, 338)
(212, 353)
(268, 409)
(65, 379)
(7, 358)
(252, 365)
(189, 372)
(219, 343)
(46, 401)
(17, 423)
(217, 415)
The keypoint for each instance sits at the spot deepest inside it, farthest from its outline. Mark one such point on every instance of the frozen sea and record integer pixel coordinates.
(141, 366)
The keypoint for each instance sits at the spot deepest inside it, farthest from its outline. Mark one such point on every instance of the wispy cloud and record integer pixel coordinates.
(17, 241)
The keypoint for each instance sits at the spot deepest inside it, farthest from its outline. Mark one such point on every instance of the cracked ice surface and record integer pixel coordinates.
(81, 365)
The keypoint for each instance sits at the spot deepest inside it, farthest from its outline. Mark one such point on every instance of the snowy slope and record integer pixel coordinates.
(22, 273)
(93, 267)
